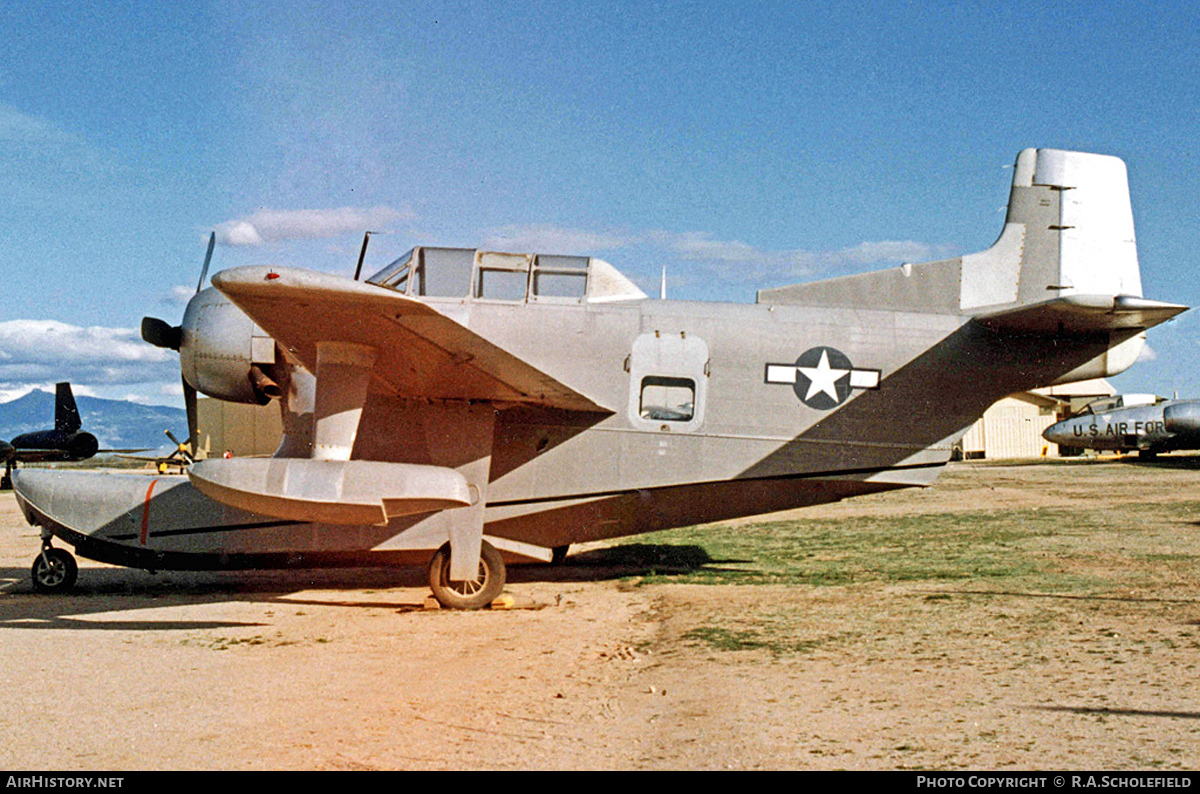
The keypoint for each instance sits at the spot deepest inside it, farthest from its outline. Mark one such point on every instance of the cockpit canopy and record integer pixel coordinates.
(1119, 401)
(511, 278)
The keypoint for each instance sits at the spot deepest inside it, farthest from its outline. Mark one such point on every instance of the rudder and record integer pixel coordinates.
(66, 415)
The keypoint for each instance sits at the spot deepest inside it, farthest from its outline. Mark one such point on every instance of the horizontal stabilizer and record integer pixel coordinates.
(334, 492)
(1083, 314)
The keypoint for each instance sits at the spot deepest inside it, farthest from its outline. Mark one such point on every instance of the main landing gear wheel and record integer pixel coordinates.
(474, 594)
(54, 571)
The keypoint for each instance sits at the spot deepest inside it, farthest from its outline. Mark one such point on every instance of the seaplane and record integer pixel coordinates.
(462, 408)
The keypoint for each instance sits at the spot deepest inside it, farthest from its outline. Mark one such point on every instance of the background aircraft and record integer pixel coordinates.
(461, 403)
(66, 442)
(1148, 428)
(179, 458)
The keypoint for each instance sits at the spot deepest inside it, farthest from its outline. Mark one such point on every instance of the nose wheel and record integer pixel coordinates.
(474, 594)
(54, 571)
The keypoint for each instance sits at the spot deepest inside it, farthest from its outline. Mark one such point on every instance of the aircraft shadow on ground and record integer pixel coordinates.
(116, 590)
(1104, 711)
(1189, 462)
(619, 562)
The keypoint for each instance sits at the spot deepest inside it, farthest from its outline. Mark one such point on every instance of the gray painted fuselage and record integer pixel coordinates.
(1162, 427)
(613, 414)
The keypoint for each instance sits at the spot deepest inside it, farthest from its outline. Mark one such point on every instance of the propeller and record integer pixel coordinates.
(162, 334)
(184, 450)
(212, 241)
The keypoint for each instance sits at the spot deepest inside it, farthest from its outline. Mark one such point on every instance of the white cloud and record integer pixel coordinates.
(552, 239)
(179, 294)
(1146, 354)
(46, 351)
(10, 392)
(268, 226)
(702, 247)
(17, 128)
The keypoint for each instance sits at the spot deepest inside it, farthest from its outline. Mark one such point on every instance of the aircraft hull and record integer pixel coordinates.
(165, 523)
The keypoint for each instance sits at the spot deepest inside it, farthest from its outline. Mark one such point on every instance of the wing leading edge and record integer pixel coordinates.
(420, 352)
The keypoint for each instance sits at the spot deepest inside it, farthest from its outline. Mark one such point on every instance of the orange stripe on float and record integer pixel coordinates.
(146, 511)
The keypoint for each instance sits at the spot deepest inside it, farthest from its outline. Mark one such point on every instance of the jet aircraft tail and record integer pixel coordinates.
(66, 415)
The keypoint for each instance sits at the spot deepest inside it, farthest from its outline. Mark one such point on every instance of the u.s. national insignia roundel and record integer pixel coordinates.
(823, 377)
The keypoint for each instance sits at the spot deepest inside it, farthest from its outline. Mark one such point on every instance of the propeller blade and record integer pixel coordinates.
(212, 241)
(189, 402)
(161, 333)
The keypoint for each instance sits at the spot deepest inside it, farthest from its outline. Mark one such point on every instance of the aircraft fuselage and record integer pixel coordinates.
(1165, 426)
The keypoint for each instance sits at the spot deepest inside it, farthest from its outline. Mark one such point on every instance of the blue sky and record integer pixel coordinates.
(742, 145)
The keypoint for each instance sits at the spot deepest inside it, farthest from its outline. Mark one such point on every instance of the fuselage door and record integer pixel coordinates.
(668, 381)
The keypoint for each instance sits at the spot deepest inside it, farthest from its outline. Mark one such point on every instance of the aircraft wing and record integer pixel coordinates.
(421, 352)
(1082, 314)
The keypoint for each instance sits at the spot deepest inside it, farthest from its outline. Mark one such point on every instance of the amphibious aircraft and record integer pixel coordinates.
(66, 442)
(1147, 427)
(461, 406)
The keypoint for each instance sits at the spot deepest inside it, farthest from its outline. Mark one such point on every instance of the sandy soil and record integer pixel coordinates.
(345, 670)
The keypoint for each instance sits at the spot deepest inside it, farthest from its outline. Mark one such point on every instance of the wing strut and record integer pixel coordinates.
(329, 487)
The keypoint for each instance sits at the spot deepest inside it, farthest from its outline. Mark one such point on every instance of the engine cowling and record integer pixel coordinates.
(1182, 418)
(224, 354)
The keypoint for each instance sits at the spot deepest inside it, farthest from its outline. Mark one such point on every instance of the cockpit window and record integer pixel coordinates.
(438, 272)
(395, 275)
(445, 272)
(469, 274)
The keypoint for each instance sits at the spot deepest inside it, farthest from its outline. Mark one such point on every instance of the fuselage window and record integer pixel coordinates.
(667, 399)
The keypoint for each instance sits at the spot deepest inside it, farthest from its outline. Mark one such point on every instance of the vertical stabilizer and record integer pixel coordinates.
(1069, 231)
(66, 415)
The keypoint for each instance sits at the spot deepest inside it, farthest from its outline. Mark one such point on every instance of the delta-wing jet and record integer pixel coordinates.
(461, 406)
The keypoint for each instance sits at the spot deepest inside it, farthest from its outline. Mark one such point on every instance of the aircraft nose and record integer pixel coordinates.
(79, 500)
(1057, 433)
(34, 489)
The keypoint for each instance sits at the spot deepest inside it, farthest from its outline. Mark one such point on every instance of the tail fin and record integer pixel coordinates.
(66, 415)
(1069, 231)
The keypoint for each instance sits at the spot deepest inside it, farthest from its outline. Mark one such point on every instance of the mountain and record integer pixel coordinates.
(117, 424)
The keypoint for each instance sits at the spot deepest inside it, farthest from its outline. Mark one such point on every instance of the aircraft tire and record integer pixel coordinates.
(59, 576)
(475, 594)
(559, 553)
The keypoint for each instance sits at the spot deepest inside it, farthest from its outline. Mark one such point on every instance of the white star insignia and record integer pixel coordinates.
(823, 378)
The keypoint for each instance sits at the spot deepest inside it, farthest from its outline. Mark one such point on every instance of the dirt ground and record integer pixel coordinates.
(344, 670)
